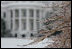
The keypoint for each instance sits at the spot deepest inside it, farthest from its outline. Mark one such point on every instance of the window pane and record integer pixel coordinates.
(16, 13)
(38, 26)
(37, 13)
(4, 15)
(24, 24)
(31, 13)
(31, 24)
(11, 13)
(11, 24)
(16, 24)
(24, 12)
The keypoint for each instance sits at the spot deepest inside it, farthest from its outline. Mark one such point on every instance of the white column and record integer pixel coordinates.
(19, 23)
(20, 19)
(8, 19)
(13, 19)
(35, 25)
(27, 20)
(40, 19)
(43, 14)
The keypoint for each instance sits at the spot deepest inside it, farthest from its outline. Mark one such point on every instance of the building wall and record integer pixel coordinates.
(20, 31)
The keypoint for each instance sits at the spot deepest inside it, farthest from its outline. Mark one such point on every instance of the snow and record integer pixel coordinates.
(13, 42)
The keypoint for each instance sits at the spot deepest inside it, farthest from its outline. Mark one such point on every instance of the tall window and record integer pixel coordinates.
(11, 24)
(37, 13)
(24, 12)
(16, 13)
(24, 24)
(4, 14)
(38, 25)
(31, 12)
(11, 13)
(16, 24)
(31, 24)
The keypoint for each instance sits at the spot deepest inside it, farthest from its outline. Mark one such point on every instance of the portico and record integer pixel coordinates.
(25, 18)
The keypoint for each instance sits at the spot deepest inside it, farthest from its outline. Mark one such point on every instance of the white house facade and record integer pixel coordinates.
(23, 18)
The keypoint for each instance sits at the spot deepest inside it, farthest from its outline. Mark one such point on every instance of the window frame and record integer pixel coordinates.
(31, 12)
(24, 12)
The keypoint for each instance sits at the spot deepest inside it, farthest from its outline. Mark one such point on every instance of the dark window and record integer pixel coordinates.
(16, 13)
(11, 24)
(24, 12)
(38, 25)
(31, 24)
(31, 12)
(4, 15)
(23, 35)
(37, 13)
(15, 35)
(24, 24)
(11, 13)
(16, 24)
(31, 35)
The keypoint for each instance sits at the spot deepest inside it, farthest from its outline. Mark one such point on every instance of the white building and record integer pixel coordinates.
(23, 17)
